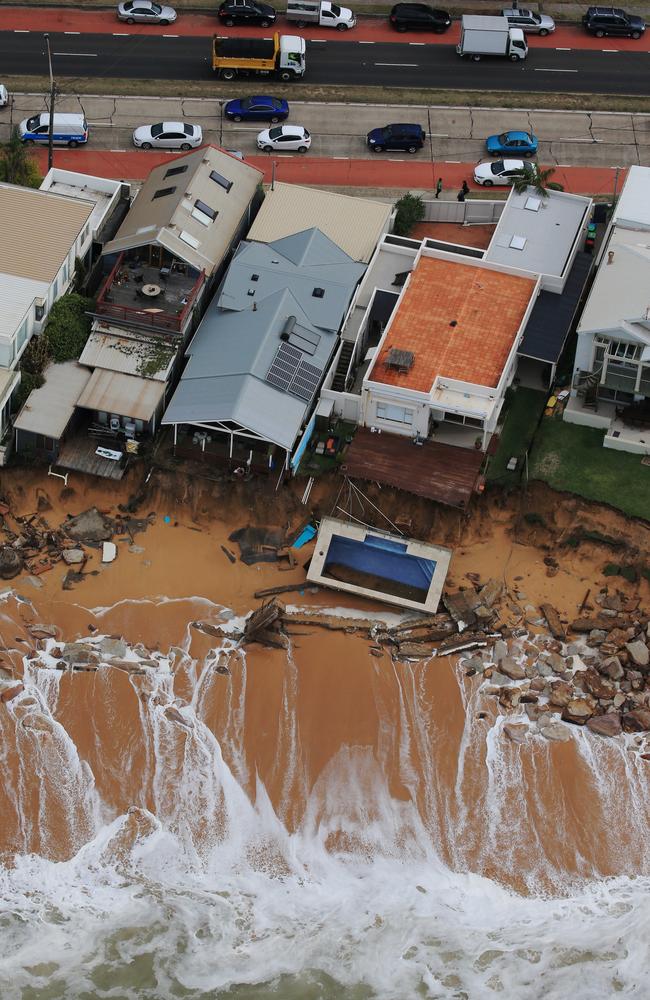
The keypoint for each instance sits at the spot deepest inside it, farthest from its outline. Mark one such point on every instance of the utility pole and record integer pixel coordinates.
(50, 141)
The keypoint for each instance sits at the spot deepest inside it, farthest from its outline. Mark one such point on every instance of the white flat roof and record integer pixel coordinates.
(633, 206)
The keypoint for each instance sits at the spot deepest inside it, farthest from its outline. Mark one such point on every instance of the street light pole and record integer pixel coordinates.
(50, 140)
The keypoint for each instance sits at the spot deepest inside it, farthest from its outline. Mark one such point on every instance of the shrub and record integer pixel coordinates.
(28, 381)
(17, 165)
(409, 211)
(68, 327)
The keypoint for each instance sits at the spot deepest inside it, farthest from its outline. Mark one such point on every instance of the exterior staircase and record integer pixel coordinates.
(338, 383)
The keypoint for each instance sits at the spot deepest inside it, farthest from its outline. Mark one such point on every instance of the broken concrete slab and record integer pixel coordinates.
(90, 526)
(73, 556)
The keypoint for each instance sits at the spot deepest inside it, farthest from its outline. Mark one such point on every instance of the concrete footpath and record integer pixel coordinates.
(413, 175)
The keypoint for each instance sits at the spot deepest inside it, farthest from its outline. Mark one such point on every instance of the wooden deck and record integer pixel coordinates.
(438, 472)
(78, 453)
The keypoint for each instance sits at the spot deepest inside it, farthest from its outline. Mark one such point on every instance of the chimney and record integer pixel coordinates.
(610, 256)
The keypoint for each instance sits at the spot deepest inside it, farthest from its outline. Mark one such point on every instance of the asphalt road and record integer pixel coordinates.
(340, 63)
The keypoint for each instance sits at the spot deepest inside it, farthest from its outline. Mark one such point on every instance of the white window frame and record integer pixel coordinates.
(383, 411)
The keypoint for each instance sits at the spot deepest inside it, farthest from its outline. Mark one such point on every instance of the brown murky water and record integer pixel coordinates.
(323, 823)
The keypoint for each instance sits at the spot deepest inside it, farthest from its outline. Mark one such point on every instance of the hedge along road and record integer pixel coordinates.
(147, 57)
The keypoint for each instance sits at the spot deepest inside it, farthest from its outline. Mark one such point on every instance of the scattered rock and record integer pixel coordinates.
(500, 650)
(491, 592)
(11, 562)
(556, 732)
(512, 669)
(110, 646)
(42, 631)
(9, 693)
(605, 725)
(73, 556)
(516, 731)
(561, 694)
(612, 668)
(639, 652)
(637, 721)
(578, 711)
(595, 684)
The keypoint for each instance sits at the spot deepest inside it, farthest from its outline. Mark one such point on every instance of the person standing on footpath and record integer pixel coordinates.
(463, 191)
(439, 187)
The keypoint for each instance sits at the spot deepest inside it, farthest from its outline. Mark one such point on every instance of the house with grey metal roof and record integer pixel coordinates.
(262, 349)
(611, 378)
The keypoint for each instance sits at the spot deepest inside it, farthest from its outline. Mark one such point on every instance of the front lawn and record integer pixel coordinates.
(570, 457)
(516, 435)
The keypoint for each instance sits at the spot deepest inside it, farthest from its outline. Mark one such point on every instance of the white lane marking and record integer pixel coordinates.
(365, 43)
(400, 64)
(417, 43)
(170, 36)
(83, 55)
(453, 161)
(609, 50)
(120, 34)
(555, 70)
(71, 32)
(318, 40)
(566, 138)
(564, 164)
(21, 31)
(562, 50)
(439, 135)
(340, 157)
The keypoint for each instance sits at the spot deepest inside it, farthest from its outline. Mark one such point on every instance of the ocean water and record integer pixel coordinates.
(339, 882)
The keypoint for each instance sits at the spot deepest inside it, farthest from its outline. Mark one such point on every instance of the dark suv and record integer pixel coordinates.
(246, 12)
(601, 21)
(407, 138)
(419, 17)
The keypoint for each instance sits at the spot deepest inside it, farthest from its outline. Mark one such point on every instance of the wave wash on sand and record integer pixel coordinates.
(195, 821)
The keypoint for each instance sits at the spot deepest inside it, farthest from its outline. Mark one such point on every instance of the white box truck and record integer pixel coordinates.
(321, 12)
(490, 36)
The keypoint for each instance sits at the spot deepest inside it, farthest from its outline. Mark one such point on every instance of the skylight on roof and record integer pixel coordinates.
(162, 193)
(221, 180)
(533, 204)
(518, 242)
(175, 170)
(189, 239)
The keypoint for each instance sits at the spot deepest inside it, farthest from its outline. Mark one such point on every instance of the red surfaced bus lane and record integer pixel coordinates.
(134, 165)
(39, 19)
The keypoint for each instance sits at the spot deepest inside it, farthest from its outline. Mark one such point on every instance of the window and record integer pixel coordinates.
(220, 180)
(396, 414)
(173, 171)
(22, 335)
(624, 350)
(458, 418)
(204, 209)
(163, 192)
(39, 311)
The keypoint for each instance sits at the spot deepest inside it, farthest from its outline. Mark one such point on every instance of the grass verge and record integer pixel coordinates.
(572, 458)
(310, 92)
(517, 434)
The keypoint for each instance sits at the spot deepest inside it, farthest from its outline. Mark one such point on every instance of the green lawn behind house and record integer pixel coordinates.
(516, 435)
(570, 457)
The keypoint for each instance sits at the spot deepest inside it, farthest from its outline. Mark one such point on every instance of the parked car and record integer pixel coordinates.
(246, 12)
(419, 17)
(145, 12)
(404, 137)
(529, 21)
(168, 135)
(257, 109)
(284, 137)
(4, 96)
(499, 171)
(67, 129)
(601, 21)
(515, 143)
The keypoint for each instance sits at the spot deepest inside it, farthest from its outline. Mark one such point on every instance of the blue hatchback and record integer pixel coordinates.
(512, 144)
(257, 109)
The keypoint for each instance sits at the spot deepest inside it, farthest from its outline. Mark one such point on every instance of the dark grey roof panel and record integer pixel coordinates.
(552, 315)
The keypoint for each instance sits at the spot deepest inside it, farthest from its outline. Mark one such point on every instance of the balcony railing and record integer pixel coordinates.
(155, 319)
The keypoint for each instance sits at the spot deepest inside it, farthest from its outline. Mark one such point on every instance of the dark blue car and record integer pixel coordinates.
(512, 144)
(257, 109)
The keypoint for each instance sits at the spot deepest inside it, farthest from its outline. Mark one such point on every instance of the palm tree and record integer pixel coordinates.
(532, 175)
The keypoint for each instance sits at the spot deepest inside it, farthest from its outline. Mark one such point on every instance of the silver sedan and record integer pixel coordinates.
(145, 12)
(168, 135)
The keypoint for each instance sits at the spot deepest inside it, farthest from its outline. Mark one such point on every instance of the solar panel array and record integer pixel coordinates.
(289, 373)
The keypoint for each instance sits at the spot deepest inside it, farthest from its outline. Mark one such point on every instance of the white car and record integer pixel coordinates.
(284, 137)
(168, 135)
(4, 96)
(499, 171)
(145, 12)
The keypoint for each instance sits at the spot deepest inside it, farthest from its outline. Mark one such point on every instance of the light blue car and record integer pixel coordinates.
(512, 144)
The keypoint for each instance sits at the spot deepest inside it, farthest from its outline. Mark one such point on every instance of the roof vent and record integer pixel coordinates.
(533, 204)
(453, 323)
(401, 360)
(251, 291)
(287, 329)
(255, 277)
(610, 256)
(318, 293)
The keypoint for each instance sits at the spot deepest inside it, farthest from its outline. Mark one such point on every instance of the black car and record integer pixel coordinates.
(406, 137)
(419, 17)
(601, 21)
(246, 12)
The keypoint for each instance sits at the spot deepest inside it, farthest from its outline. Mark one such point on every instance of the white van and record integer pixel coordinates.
(69, 130)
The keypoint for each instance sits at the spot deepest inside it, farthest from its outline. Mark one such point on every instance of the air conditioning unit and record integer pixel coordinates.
(129, 428)
(114, 424)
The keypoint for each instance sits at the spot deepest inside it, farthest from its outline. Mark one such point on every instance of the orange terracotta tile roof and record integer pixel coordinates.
(458, 320)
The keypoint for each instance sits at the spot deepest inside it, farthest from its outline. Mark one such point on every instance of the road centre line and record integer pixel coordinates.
(170, 36)
(417, 43)
(83, 55)
(120, 34)
(71, 32)
(562, 50)
(409, 65)
(538, 70)
(365, 43)
(566, 138)
(21, 31)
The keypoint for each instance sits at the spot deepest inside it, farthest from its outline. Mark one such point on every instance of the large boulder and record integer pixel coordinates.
(555, 731)
(605, 725)
(516, 731)
(612, 668)
(637, 721)
(639, 653)
(561, 693)
(600, 687)
(512, 669)
(578, 711)
(11, 562)
(90, 527)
